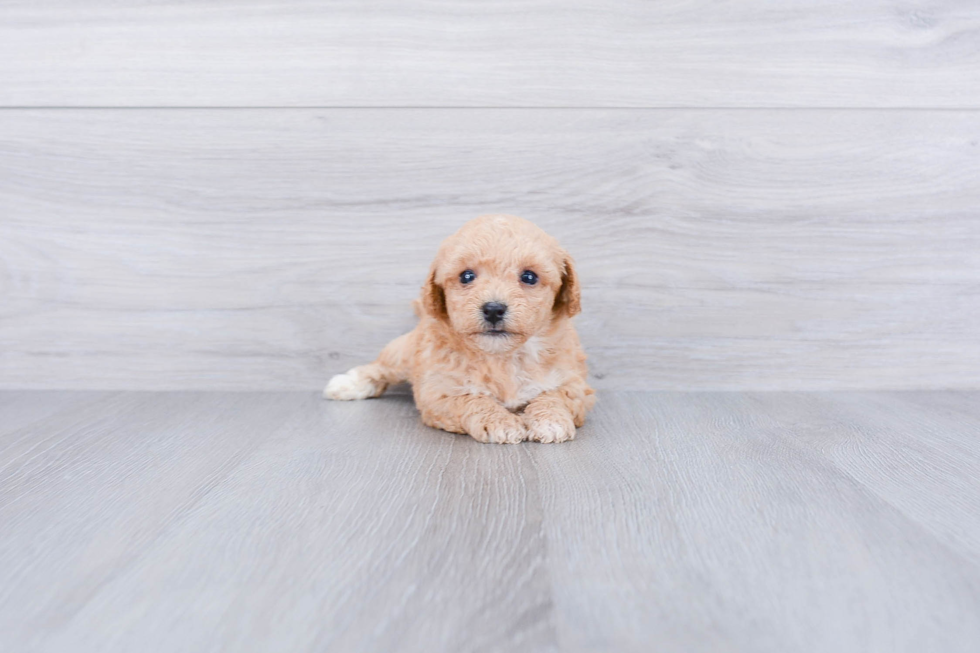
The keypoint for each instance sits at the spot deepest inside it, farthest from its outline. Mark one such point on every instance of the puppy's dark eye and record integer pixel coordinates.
(466, 276)
(529, 277)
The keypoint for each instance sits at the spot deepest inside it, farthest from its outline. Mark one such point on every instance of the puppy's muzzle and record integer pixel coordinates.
(493, 313)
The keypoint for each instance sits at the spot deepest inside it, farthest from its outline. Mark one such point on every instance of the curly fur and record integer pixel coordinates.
(529, 384)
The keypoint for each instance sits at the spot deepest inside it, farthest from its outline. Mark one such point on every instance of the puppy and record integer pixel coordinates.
(495, 354)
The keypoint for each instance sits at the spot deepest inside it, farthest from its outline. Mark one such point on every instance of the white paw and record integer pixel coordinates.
(350, 386)
(550, 431)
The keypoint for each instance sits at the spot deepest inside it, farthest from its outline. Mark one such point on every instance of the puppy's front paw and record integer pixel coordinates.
(499, 429)
(350, 386)
(548, 425)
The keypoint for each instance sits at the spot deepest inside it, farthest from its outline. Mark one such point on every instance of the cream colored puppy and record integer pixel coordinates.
(495, 354)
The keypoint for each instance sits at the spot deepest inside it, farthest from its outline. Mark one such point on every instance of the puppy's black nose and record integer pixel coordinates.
(493, 312)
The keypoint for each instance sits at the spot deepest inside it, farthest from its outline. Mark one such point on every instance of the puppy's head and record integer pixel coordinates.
(500, 280)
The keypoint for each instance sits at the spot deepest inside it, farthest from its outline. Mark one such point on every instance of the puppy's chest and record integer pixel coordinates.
(515, 385)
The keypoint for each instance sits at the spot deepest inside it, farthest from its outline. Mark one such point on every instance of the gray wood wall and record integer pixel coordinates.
(245, 195)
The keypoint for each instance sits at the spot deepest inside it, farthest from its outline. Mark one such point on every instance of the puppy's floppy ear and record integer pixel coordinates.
(568, 300)
(434, 298)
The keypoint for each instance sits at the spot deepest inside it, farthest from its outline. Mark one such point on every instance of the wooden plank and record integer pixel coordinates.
(904, 447)
(694, 521)
(755, 53)
(85, 492)
(962, 403)
(353, 528)
(268, 249)
(20, 409)
(698, 521)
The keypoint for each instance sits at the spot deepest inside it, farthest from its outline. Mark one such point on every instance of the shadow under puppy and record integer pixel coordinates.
(494, 354)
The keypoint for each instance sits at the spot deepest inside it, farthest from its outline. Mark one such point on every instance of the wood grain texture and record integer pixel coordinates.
(878, 438)
(84, 493)
(400, 538)
(754, 53)
(704, 522)
(20, 409)
(682, 522)
(266, 249)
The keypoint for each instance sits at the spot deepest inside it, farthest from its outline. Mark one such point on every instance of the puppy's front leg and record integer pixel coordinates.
(482, 417)
(552, 416)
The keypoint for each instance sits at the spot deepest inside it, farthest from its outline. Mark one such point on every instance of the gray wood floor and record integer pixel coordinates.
(675, 522)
